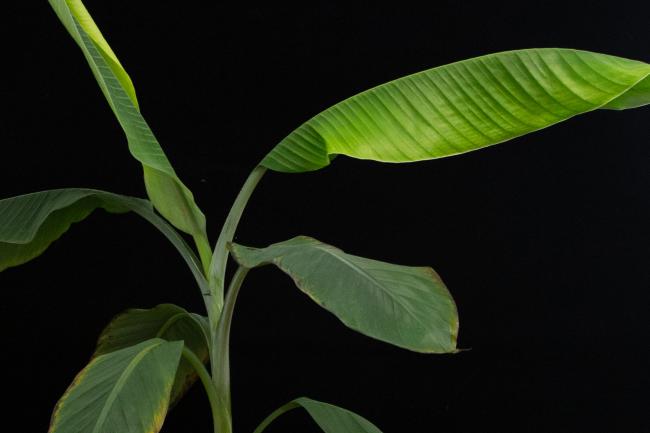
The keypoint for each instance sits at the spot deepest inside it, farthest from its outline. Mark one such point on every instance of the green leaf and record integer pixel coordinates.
(166, 191)
(409, 307)
(126, 391)
(30, 223)
(464, 106)
(166, 321)
(330, 418)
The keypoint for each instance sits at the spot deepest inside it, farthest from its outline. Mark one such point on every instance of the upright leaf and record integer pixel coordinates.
(30, 223)
(409, 307)
(330, 418)
(167, 321)
(464, 106)
(126, 391)
(168, 194)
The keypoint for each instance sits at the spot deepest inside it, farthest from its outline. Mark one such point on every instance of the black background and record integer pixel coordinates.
(543, 240)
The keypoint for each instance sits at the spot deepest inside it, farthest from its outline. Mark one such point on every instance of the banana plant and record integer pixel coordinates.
(147, 359)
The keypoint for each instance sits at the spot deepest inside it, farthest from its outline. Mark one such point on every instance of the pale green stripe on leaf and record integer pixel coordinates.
(87, 23)
(464, 106)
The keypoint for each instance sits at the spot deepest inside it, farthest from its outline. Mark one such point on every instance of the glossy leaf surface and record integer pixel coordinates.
(406, 306)
(30, 223)
(464, 106)
(166, 191)
(330, 418)
(126, 391)
(166, 321)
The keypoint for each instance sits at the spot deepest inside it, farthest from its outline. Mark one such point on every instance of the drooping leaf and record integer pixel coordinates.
(167, 321)
(330, 418)
(409, 307)
(464, 106)
(30, 223)
(166, 191)
(126, 391)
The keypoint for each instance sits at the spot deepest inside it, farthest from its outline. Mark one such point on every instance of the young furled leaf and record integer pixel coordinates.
(166, 191)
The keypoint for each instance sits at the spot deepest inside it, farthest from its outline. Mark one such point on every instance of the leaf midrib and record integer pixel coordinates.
(374, 281)
(169, 322)
(119, 384)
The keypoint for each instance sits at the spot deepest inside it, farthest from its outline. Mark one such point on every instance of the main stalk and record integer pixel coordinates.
(220, 311)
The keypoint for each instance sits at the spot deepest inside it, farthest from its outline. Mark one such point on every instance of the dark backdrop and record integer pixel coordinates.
(543, 241)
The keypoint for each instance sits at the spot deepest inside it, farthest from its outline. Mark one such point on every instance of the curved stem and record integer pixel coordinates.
(169, 322)
(177, 240)
(217, 271)
(204, 376)
(276, 413)
(221, 353)
(219, 311)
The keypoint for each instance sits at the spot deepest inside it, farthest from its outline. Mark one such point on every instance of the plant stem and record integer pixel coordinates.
(210, 389)
(205, 252)
(276, 413)
(219, 311)
(217, 271)
(221, 353)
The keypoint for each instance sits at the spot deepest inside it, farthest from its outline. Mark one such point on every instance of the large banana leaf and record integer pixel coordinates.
(409, 307)
(126, 391)
(168, 194)
(30, 223)
(330, 418)
(464, 106)
(167, 321)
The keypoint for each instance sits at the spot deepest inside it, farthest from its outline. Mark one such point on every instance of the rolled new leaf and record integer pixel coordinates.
(330, 418)
(30, 223)
(166, 191)
(167, 321)
(409, 307)
(126, 391)
(464, 106)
